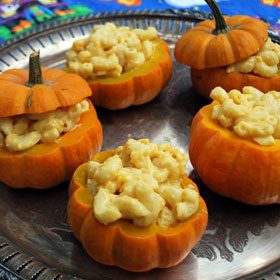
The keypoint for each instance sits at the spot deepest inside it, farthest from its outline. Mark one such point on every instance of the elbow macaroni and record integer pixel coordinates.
(142, 182)
(23, 132)
(251, 114)
(110, 51)
(266, 63)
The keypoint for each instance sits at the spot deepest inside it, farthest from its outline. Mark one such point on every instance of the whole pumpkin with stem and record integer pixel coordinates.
(124, 244)
(213, 45)
(36, 91)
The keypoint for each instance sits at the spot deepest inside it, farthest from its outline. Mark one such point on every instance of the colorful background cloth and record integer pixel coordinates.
(18, 16)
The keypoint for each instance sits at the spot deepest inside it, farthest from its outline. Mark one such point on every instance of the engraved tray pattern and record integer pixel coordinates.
(241, 242)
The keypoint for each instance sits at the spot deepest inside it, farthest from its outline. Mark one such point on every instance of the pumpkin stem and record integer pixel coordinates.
(35, 71)
(221, 26)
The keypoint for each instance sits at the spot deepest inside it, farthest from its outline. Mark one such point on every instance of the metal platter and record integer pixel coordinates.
(241, 242)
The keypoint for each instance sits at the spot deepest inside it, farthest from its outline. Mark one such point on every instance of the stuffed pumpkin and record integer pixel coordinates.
(123, 66)
(48, 127)
(235, 145)
(135, 208)
(231, 52)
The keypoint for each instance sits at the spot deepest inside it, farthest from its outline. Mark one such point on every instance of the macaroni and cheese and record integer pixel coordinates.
(142, 182)
(110, 51)
(265, 63)
(22, 132)
(250, 114)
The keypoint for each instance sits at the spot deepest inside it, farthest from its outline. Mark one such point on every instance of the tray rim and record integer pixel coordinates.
(178, 14)
(272, 270)
(55, 24)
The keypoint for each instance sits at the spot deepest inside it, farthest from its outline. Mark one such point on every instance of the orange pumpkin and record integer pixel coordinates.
(41, 92)
(46, 164)
(214, 44)
(205, 80)
(123, 244)
(231, 166)
(137, 86)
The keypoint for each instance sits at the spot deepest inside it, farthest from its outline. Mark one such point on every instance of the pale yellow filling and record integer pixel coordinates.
(22, 132)
(142, 182)
(266, 63)
(251, 114)
(110, 51)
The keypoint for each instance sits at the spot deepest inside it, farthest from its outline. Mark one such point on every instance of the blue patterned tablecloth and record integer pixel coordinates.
(18, 16)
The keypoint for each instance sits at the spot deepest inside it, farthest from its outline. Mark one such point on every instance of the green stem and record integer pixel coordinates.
(35, 71)
(221, 26)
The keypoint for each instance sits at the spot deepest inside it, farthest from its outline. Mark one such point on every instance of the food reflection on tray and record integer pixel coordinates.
(135, 207)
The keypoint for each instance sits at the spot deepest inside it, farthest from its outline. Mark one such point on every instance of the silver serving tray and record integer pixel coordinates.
(241, 242)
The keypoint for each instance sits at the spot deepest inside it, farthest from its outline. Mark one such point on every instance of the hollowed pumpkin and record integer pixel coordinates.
(231, 166)
(205, 80)
(123, 244)
(46, 164)
(137, 86)
(213, 44)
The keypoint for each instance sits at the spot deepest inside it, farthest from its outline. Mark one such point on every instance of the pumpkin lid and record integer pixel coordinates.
(38, 91)
(220, 42)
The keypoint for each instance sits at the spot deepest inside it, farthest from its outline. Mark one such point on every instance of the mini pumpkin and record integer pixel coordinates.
(113, 69)
(214, 44)
(205, 80)
(123, 244)
(34, 92)
(137, 86)
(231, 166)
